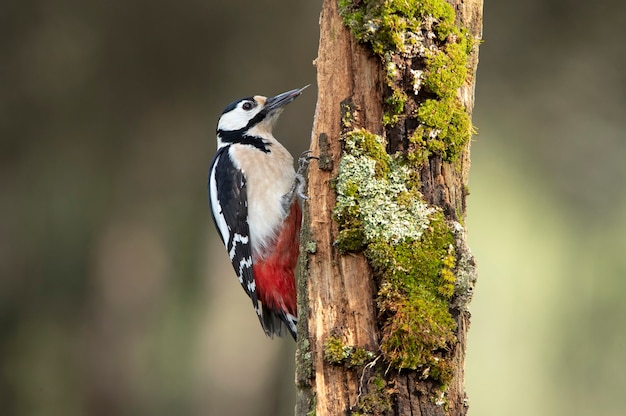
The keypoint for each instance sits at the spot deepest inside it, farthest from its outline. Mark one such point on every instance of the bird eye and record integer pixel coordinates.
(247, 106)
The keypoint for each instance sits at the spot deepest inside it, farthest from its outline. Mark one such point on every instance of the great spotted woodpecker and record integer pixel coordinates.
(253, 191)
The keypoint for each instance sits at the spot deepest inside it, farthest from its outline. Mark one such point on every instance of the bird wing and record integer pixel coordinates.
(229, 209)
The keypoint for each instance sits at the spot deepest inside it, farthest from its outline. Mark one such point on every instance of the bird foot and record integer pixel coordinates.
(303, 163)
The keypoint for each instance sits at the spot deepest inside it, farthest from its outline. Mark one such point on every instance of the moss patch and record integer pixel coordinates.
(376, 400)
(416, 286)
(425, 54)
(336, 352)
(411, 249)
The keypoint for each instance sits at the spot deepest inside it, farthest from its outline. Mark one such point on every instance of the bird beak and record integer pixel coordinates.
(274, 103)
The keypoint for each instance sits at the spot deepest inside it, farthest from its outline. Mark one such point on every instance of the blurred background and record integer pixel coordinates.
(116, 297)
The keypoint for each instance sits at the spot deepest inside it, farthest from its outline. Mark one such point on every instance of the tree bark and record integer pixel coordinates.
(337, 290)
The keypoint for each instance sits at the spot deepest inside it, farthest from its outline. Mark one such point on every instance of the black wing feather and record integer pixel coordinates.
(231, 205)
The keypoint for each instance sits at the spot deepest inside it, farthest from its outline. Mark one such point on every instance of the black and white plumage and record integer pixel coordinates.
(252, 194)
(230, 214)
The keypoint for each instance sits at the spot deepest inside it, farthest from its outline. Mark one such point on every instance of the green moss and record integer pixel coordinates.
(416, 286)
(384, 24)
(379, 209)
(376, 400)
(443, 127)
(336, 352)
(395, 107)
(359, 357)
(411, 250)
(350, 240)
(446, 69)
(347, 114)
(313, 410)
(351, 235)
(419, 45)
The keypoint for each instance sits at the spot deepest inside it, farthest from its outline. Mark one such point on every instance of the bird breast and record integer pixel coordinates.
(269, 176)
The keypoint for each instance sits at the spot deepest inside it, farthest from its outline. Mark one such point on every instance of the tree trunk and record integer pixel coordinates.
(400, 77)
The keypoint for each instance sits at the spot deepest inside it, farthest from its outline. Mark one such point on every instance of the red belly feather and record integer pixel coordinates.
(274, 271)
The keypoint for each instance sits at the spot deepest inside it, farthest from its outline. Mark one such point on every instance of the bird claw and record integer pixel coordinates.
(303, 162)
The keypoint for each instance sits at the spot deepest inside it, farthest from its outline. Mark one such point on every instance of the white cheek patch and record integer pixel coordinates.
(237, 118)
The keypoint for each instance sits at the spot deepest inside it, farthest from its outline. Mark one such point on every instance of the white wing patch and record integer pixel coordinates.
(217, 207)
(292, 321)
(246, 263)
(237, 238)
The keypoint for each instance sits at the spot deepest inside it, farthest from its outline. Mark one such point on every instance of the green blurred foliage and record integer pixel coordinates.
(115, 295)
(546, 215)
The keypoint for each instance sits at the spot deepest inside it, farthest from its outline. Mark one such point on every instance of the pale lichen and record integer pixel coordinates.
(378, 200)
(410, 247)
(418, 76)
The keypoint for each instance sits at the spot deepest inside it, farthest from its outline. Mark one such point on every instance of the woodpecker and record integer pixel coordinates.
(253, 195)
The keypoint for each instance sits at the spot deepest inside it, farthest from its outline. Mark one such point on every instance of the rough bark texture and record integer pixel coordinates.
(337, 291)
(341, 288)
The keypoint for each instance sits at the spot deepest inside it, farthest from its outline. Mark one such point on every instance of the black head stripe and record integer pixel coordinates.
(256, 119)
(238, 136)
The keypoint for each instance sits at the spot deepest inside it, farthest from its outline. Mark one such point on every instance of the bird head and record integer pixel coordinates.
(252, 117)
